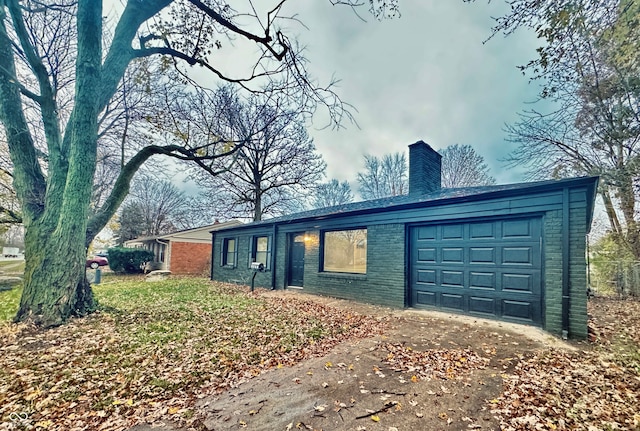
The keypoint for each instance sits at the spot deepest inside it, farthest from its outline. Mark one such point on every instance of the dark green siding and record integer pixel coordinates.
(553, 255)
(552, 246)
(241, 274)
(385, 281)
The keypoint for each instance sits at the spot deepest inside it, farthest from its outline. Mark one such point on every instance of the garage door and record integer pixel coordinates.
(490, 268)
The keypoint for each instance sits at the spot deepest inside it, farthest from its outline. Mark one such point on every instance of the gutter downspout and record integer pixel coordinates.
(274, 249)
(589, 291)
(566, 300)
(213, 246)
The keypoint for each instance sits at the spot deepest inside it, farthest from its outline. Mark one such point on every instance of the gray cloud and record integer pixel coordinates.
(426, 75)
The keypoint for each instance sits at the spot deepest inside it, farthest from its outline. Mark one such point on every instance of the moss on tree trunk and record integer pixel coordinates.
(55, 285)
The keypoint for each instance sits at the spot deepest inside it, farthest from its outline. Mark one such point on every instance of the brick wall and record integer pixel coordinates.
(553, 271)
(425, 169)
(281, 256)
(190, 258)
(241, 273)
(577, 272)
(384, 282)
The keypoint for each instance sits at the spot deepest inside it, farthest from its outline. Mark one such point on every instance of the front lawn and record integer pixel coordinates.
(9, 301)
(12, 267)
(152, 349)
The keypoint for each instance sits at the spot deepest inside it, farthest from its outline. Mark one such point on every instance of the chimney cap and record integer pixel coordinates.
(421, 142)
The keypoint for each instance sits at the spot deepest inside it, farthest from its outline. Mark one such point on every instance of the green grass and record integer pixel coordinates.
(123, 295)
(151, 343)
(134, 294)
(169, 311)
(194, 311)
(9, 301)
(10, 267)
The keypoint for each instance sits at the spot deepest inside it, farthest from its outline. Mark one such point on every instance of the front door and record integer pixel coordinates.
(296, 261)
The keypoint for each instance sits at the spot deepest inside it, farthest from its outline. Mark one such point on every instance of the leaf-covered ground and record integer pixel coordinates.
(497, 377)
(153, 349)
(156, 352)
(595, 387)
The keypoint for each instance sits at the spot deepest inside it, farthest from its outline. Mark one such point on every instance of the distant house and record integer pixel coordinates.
(513, 252)
(183, 252)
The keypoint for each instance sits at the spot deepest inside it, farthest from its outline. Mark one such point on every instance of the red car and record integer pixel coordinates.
(97, 261)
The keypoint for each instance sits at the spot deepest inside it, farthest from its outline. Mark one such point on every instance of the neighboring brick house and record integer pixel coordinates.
(513, 252)
(183, 252)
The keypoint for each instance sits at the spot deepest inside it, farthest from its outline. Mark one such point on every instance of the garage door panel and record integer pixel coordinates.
(452, 231)
(453, 255)
(517, 229)
(523, 310)
(490, 268)
(519, 283)
(452, 278)
(522, 255)
(482, 231)
(482, 255)
(425, 298)
(427, 255)
(426, 276)
(426, 233)
(453, 301)
(482, 280)
(482, 305)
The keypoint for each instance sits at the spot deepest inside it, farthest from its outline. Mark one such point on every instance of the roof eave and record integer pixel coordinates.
(590, 182)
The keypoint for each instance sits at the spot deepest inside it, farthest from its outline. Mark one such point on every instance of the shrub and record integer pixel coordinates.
(613, 268)
(129, 260)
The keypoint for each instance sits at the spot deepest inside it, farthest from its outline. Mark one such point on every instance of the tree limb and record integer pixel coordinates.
(28, 176)
(262, 40)
(122, 184)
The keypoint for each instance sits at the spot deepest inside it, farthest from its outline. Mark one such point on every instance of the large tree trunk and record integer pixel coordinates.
(627, 205)
(55, 285)
(257, 203)
(627, 236)
(54, 184)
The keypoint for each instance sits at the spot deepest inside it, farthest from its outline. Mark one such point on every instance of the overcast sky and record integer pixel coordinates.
(426, 75)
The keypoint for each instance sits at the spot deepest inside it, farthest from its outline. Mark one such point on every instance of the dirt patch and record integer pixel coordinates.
(393, 381)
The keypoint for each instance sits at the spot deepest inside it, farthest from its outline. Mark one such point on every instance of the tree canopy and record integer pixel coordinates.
(589, 68)
(154, 207)
(463, 167)
(275, 168)
(384, 176)
(63, 82)
(331, 194)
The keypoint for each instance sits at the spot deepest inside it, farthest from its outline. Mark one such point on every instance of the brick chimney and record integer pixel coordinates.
(425, 166)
